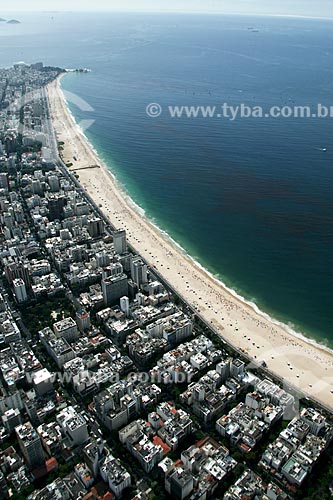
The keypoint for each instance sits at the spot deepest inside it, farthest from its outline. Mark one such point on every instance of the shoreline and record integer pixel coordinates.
(299, 360)
(141, 211)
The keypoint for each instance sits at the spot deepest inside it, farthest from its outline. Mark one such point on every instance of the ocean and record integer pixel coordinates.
(250, 199)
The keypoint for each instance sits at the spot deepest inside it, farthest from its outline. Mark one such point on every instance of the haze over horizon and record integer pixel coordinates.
(307, 8)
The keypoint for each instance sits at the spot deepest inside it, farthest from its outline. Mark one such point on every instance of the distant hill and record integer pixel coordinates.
(13, 21)
(2, 20)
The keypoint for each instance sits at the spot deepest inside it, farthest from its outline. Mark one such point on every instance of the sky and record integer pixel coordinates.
(308, 8)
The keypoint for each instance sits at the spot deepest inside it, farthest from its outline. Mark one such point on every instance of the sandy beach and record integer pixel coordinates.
(300, 362)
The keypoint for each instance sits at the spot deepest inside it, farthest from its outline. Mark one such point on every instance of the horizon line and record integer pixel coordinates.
(194, 12)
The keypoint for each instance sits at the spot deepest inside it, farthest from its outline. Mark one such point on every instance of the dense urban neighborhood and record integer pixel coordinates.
(112, 386)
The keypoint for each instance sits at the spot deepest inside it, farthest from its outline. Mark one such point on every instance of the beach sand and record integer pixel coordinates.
(302, 363)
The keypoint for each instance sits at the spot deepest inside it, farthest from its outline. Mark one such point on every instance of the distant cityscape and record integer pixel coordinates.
(111, 385)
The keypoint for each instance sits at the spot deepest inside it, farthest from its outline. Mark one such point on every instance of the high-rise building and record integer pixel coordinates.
(13, 196)
(223, 369)
(20, 290)
(30, 444)
(4, 182)
(114, 288)
(56, 206)
(53, 181)
(139, 271)
(8, 219)
(113, 269)
(10, 144)
(67, 329)
(180, 484)
(115, 475)
(119, 241)
(3, 304)
(37, 187)
(237, 367)
(42, 381)
(102, 259)
(17, 269)
(81, 208)
(83, 320)
(11, 419)
(125, 305)
(3, 487)
(132, 289)
(93, 453)
(12, 400)
(73, 425)
(95, 227)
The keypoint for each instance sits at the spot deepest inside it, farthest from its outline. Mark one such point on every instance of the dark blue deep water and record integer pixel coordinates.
(252, 199)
